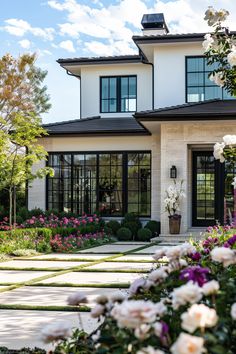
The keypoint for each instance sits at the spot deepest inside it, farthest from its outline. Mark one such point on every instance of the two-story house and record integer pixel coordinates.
(141, 115)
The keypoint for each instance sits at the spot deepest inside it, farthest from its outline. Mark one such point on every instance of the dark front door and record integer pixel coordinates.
(214, 198)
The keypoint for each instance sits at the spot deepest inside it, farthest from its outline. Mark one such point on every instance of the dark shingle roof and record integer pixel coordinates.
(207, 110)
(101, 60)
(97, 126)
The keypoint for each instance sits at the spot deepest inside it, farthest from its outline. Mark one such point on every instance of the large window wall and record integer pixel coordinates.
(113, 183)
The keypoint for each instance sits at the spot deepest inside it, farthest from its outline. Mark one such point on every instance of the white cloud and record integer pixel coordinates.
(116, 23)
(25, 43)
(67, 45)
(18, 27)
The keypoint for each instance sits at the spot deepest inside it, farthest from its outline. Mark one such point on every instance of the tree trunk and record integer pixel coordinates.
(14, 205)
(10, 206)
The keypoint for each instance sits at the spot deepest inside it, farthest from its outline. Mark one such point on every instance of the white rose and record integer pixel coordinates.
(223, 255)
(218, 78)
(187, 249)
(188, 293)
(159, 253)
(150, 350)
(117, 296)
(211, 287)
(207, 43)
(187, 344)
(76, 299)
(229, 140)
(142, 332)
(198, 316)
(219, 152)
(55, 332)
(234, 183)
(231, 57)
(133, 314)
(174, 252)
(97, 311)
(157, 329)
(158, 274)
(233, 311)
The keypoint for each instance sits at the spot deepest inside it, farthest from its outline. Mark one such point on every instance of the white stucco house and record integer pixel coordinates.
(141, 115)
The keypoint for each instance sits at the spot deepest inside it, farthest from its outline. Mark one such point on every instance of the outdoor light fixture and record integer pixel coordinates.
(173, 172)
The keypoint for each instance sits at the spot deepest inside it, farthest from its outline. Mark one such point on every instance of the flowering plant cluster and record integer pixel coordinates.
(72, 243)
(185, 305)
(174, 195)
(220, 50)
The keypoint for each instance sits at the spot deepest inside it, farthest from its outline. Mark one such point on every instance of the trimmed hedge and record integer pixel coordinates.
(144, 235)
(154, 226)
(124, 234)
(114, 225)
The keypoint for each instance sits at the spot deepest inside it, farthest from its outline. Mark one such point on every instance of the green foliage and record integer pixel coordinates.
(36, 239)
(154, 226)
(130, 217)
(114, 225)
(144, 235)
(133, 226)
(124, 234)
(24, 253)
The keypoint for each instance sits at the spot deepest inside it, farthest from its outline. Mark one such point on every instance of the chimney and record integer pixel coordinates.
(154, 24)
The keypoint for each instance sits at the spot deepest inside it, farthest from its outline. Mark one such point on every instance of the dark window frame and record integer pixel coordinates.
(118, 92)
(203, 72)
(124, 177)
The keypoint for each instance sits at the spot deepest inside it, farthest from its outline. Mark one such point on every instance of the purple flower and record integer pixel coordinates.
(230, 242)
(196, 256)
(197, 274)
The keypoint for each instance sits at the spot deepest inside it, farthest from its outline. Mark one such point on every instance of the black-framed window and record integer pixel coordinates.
(198, 85)
(118, 94)
(113, 183)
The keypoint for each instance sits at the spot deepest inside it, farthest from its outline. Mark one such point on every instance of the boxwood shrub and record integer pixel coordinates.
(154, 226)
(114, 225)
(144, 235)
(124, 234)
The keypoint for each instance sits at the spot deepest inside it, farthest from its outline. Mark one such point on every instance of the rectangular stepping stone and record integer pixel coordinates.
(64, 256)
(114, 248)
(136, 257)
(92, 278)
(122, 266)
(132, 243)
(40, 264)
(51, 296)
(18, 276)
(149, 250)
(21, 328)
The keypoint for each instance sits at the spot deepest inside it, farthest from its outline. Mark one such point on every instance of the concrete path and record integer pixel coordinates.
(33, 291)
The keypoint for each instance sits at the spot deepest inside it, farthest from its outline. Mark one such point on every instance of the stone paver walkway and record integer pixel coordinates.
(33, 291)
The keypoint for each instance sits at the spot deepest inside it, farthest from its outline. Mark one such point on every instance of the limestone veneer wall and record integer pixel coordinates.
(178, 139)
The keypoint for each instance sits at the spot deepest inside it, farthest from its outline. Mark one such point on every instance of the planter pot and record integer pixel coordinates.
(174, 224)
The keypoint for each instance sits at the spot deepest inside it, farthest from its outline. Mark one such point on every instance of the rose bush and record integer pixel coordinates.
(187, 305)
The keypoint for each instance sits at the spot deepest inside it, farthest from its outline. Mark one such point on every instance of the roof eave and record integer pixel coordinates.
(181, 117)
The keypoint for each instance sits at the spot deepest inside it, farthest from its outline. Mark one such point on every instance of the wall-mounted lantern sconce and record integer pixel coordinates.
(173, 172)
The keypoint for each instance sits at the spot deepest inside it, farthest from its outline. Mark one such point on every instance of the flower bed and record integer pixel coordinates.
(51, 233)
(187, 306)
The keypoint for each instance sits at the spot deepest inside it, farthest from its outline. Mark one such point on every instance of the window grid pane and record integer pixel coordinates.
(198, 85)
(118, 94)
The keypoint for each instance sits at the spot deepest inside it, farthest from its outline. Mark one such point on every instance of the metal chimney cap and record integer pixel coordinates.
(154, 21)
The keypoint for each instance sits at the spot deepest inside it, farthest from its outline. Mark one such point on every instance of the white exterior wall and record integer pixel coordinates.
(37, 192)
(169, 72)
(90, 87)
(177, 141)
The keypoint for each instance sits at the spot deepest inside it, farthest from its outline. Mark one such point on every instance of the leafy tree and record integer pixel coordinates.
(22, 100)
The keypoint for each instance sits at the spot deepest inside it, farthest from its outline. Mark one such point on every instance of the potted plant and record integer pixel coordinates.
(174, 194)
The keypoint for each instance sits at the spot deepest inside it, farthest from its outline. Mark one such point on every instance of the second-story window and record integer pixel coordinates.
(198, 85)
(118, 94)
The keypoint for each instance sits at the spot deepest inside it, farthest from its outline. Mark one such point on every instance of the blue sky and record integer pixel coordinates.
(73, 28)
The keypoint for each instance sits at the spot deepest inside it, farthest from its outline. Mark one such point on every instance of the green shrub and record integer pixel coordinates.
(24, 253)
(133, 226)
(154, 226)
(23, 213)
(108, 231)
(144, 235)
(130, 217)
(36, 212)
(114, 225)
(124, 234)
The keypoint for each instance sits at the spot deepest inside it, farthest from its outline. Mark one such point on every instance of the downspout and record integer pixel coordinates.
(78, 77)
